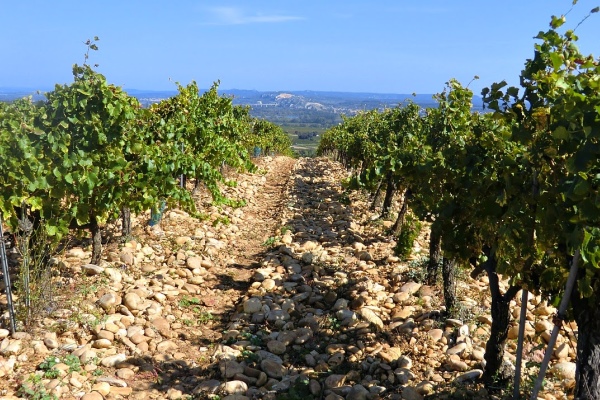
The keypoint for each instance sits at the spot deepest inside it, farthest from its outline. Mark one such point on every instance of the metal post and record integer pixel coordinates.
(4, 262)
(562, 309)
(182, 177)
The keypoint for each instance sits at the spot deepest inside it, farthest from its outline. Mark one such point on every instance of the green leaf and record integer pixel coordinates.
(51, 230)
(581, 188)
(557, 22)
(557, 60)
(560, 133)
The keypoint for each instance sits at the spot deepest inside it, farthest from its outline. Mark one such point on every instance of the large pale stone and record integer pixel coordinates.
(111, 361)
(469, 376)
(92, 269)
(109, 300)
(564, 370)
(410, 287)
(234, 387)
(132, 301)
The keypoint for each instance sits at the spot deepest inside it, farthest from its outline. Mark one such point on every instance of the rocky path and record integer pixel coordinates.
(297, 295)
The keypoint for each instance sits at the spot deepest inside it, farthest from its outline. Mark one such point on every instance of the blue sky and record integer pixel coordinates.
(394, 46)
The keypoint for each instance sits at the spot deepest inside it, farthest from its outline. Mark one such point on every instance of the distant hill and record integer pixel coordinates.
(320, 100)
(303, 114)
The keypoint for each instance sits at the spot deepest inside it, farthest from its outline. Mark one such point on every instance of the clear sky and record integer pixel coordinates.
(387, 46)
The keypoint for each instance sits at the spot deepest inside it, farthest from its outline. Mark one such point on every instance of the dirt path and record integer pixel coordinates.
(260, 220)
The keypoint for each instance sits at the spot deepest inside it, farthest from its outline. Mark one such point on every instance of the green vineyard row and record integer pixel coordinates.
(90, 150)
(513, 191)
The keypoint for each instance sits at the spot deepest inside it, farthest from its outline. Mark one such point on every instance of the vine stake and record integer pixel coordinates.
(522, 321)
(557, 324)
(4, 262)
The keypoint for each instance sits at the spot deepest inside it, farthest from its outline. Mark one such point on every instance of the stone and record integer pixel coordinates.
(114, 275)
(182, 240)
(132, 301)
(111, 361)
(252, 305)
(92, 396)
(391, 354)
(435, 334)
(112, 381)
(103, 388)
(166, 346)
(276, 347)
(564, 370)
(223, 352)
(454, 322)
(109, 301)
(370, 316)
(478, 353)
(12, 347)
(88, 356)
(454, 363)
(469, 376)
(425, 388)
(208, 386)
(126, 257)
(193, 262)
(230, 368)
(401, 297)
(125, 373)
(273, 369)
(51, 342)
(104, 334)
(334, 381)
(277, 315)
(268, 284)
(234, 387)
(162, 326)
(340, 304)
(358, 392)
(308, 257)
(561, 351)
(458, 349)
(404, 375)
(102, 344)
(410, 393)
(91, 269)
(410, 287)
(314, 387)
(404, 362)
(121, 391)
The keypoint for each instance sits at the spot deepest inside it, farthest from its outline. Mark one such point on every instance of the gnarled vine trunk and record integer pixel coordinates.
(377, 198)
(96, 240)
(449, 276)
(126, 222)
(494, 349)
(389, 195)
(435, 253)
(397, 227)
(587, 315)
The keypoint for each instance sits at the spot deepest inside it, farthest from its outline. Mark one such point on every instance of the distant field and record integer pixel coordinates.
(306, 146)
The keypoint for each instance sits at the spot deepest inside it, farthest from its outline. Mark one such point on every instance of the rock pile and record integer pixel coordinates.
(323, 310)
